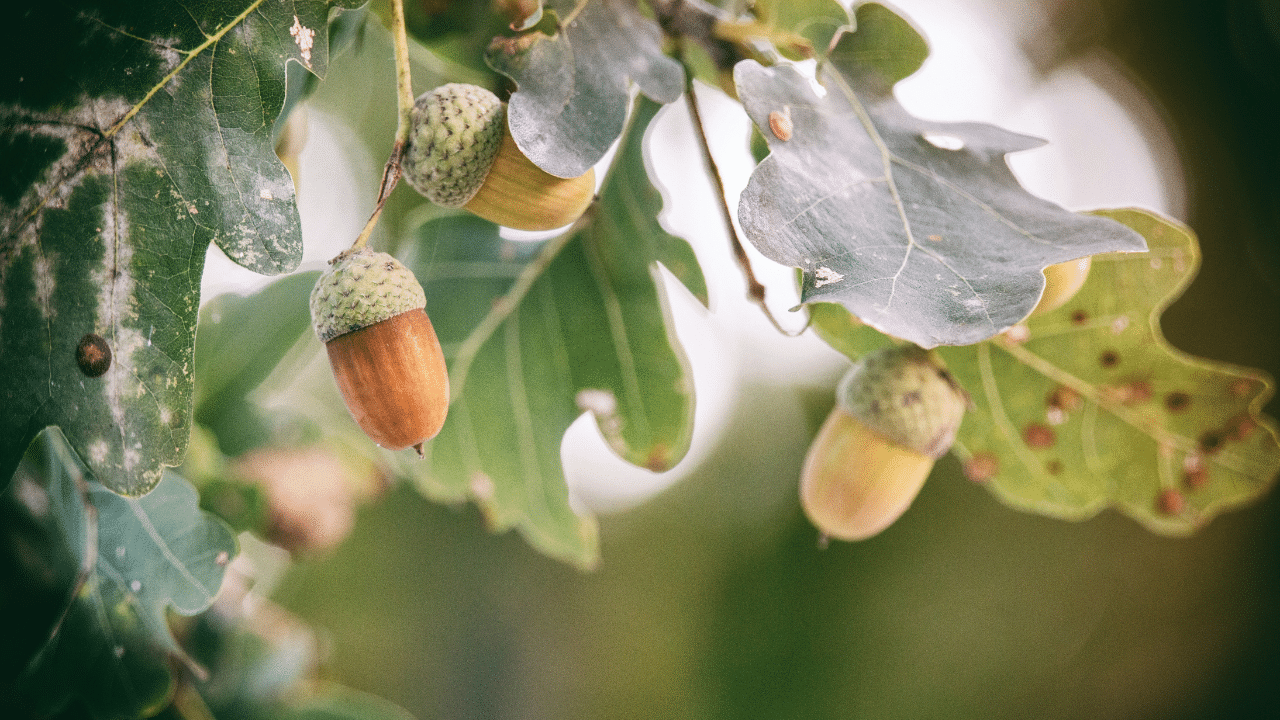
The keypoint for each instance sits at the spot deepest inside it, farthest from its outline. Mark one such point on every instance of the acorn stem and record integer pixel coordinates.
(404, 121)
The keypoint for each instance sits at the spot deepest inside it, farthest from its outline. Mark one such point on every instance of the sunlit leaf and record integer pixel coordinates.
(919, 228)
(579, 324)
(130, 561)
(137, 133)
(1089, 407)
(797, 28)
(574, 87)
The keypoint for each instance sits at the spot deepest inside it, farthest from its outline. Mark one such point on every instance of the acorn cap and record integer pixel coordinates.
(906, 395)
(457, 131)
(362, 287)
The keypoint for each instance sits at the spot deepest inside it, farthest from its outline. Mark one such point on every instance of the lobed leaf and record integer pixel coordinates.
(134, 134)
(121, 564)
(574, 87)
(1088, 406)
(540, 334)
(919, 228)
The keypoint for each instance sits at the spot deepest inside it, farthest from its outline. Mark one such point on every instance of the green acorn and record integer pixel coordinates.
(461, 154)
(897, 411)
(368, 310)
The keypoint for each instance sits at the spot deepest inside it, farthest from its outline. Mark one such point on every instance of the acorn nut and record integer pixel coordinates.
(368, 311)
(462, 154)
(1061, 283)
(897, 411)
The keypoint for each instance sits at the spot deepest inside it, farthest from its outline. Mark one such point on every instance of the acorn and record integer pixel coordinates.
(897, 411)
(1061, 283)
(461, 154)
(368, 310)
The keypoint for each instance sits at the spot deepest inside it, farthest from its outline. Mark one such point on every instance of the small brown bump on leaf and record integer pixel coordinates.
(1240, 427)
(1065, 399)
(1079, 317)
(1194, 472)
(1210, 442)
(1138, 391)
(935, 238)
(1109, 359)
(1053, 467)
(1177, 401)
(659, 458)
(981, 467)
(780, 124)
(1241, 388)
(93, 355)
(1171, 502)
(1039, 436)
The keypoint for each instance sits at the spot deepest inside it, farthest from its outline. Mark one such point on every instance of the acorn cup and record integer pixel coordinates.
(461, 154)
(897, 411)
(368, 311)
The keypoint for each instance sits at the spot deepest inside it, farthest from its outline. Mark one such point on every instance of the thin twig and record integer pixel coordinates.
(404, 121)
(755, 289)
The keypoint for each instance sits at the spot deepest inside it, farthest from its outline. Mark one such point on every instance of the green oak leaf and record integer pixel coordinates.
(574, 87)
(133, 135)
(919, 228)
(1088, 406)
(797, 28)
(119, 565)
(537, 335)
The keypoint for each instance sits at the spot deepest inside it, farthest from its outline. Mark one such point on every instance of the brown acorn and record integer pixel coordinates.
(368, 310)
(462, 155)
(897, 411)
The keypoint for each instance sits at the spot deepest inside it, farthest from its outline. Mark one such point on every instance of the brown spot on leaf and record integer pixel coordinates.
(1240, 427)
(659, 458)
(1138, 391)
(1241, 388)
(93, 355)
(1194, 472)
(1210, 442)
(1177, 401)
(1039, 436)
(1109, 359)
(1065, 399)
(1171, 502)
(1053, 467)
(1079, 317)
(981, 467)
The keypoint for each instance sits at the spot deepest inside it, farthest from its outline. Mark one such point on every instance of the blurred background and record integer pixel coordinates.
(714, 598)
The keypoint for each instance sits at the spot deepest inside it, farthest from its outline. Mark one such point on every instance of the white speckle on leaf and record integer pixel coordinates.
(120, 552)
(825, 276)
(482, 487)
(98, 451)
(33, 497)
(45, 284)
(136, 585)
(600, 402)
(1119, 325)
(1018, 333)
(1055, 415)
(305, 37)
(266, 194)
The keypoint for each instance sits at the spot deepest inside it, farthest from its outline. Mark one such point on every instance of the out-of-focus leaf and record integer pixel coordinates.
(1088, 406)
(138, 133)
(132, 560)
(538, 335)
(574, 87)
(919, 228)
(240, 341)
(797, 28)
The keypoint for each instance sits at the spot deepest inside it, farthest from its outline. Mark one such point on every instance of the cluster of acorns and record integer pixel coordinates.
(897, 410)
(369, 309)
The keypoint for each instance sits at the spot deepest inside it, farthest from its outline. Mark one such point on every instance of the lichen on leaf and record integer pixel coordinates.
(134, 135)
(918, 228)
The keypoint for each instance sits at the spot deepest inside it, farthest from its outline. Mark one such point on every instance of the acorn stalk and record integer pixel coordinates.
(368, 310)
(897, 411)
(461, 154)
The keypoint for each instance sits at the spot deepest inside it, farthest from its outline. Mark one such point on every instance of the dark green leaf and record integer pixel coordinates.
(575, 325)
(130, 561)
(574, 87)
(1088, 406)
(919, 228)
(138, 133)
